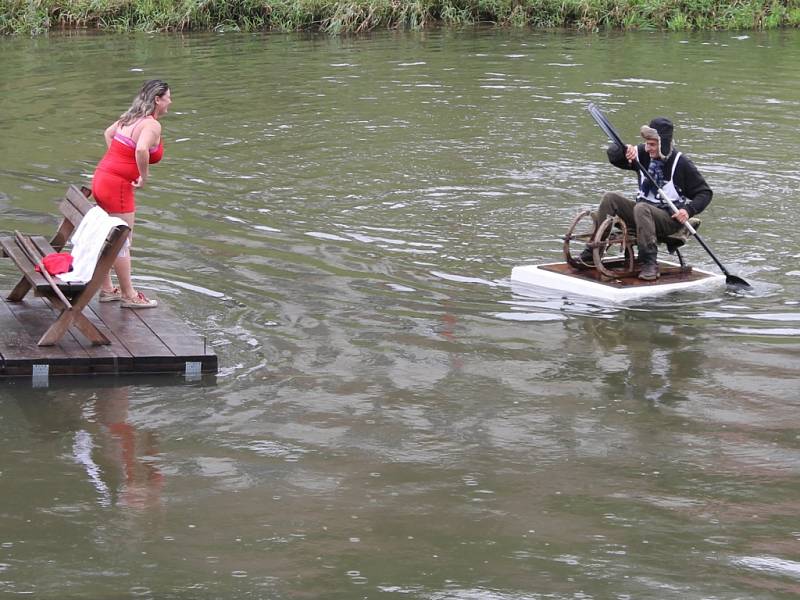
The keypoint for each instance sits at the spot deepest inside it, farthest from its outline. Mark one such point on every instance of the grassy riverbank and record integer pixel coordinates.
(350, 16)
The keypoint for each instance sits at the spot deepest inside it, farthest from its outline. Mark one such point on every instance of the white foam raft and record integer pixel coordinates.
(589, 283)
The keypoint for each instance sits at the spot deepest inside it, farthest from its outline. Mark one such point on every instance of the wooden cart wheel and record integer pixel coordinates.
(613, 249)
(581, 231)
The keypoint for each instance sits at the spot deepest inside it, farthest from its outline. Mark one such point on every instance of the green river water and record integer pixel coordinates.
(392, 417)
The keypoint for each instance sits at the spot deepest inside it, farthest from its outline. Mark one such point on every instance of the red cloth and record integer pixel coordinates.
(57, 263)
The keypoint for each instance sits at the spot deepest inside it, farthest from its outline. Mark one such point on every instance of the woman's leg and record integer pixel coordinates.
(122, 266)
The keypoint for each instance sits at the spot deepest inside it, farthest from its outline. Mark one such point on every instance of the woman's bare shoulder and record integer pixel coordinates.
(151, 129)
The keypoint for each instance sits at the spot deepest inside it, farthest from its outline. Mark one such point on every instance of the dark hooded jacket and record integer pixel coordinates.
(689, 183)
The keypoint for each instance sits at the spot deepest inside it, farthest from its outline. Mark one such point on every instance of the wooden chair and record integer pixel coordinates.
(70, 298)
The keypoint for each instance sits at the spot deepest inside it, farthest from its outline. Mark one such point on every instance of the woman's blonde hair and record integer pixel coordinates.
(145, 102)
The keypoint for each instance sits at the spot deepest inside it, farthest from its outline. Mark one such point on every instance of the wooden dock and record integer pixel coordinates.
(152, 340)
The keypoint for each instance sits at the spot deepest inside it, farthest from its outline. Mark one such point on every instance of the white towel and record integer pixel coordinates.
(87, 242)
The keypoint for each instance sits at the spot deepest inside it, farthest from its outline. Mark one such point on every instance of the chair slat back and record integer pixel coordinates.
(74, 207)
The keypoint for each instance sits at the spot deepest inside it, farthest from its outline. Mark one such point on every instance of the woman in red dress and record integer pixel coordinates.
(134, 143)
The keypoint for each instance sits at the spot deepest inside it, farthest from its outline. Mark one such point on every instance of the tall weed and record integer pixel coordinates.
(339, 17)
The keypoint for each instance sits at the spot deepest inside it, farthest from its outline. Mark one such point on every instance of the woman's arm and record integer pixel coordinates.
(109, 132)
(151, 133)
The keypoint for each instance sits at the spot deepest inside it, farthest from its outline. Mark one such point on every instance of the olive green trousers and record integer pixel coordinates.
(649, 222)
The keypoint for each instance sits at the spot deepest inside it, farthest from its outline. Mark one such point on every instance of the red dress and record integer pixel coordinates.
(112, 184)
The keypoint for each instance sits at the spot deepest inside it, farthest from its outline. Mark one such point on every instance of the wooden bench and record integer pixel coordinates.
(70, 298)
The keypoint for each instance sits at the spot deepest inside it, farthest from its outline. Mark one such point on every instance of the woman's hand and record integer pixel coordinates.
(631, 153)
(139, 183)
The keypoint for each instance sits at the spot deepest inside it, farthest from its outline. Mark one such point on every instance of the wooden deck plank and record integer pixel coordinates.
(111, 358)
(101, 359)
(161, 322)
(36, 316)
(133, 333)
(16, 340)
(116, 348)
(20, 350)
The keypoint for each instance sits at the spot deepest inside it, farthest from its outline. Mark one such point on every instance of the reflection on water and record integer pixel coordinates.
(119, 459)
(393, 417)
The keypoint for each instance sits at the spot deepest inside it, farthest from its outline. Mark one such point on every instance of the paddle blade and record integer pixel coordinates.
(737, 282)
(603, 123)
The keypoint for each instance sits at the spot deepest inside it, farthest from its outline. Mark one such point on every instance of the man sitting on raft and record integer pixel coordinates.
(649, 216)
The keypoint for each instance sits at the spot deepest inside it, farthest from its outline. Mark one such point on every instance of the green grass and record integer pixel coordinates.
(353, 16)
